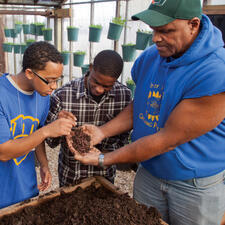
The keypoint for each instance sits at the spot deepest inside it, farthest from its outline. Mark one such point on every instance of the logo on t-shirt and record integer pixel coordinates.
(21, 127)
(151, 116)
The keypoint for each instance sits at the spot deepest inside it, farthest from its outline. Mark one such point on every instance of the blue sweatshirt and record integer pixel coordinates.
(161, 84)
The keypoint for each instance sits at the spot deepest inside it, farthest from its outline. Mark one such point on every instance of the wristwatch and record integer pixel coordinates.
(101, 160)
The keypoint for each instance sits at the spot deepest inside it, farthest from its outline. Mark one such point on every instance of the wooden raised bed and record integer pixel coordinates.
(97, 182)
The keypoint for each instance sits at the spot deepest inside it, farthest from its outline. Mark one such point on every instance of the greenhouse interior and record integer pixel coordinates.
(25, 21)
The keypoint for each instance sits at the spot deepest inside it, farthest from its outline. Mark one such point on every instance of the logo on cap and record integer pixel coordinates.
(158, 2)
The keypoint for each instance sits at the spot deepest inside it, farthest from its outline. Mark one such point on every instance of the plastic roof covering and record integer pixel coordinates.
(32, 2)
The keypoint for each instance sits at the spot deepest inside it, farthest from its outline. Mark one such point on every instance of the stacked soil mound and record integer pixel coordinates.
(86, 207)
(81, 141)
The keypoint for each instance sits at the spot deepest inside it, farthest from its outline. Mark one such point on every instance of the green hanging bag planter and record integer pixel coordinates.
(33, 28)
(26, 28)
(131, 85)
(30, 41)
(13, 33)
(17, 48)
(47, 32)
(23, 48)
(72, 33)
(142, 40)
(18, 27)
(39, 27)
(78, 58)
(114, 31)
(128, 52)
(7, 32)
(7, 47)
(95, 33)
(150, 40)
(66, 57)
(84, 68)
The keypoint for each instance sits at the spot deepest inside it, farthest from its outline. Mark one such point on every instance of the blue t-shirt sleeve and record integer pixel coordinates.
(5, 134)
(46, 110)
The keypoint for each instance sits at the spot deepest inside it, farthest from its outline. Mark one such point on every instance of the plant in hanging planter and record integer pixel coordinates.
(72, 33)
(26, 28)
(66, 57)
(78, 58)
(128, 52)
(142, 39)
(47, 32)
(115, 28)
(7, 32)
(33, 28)
(30, 41)
(18, 26)
(95, 32)
(85, 68)
(13, 33)
(39, 27)
(23, 47)
(17, 48)
(131, 85)
(7, 47)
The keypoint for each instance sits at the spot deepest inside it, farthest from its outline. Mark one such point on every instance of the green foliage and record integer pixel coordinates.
(71, 27)
(65, 51)
(39, 24)
(130, 82)
(79, 52)
(99, 26)
(30, 40)
(144, 31)
(128, 44)
(46, 28)
(119, 21)
(18, 22)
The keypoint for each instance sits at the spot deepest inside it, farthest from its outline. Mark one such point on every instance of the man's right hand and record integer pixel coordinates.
(59, 127)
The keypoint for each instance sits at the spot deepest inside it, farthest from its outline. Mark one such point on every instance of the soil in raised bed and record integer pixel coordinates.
(81, 141)
(86, 207)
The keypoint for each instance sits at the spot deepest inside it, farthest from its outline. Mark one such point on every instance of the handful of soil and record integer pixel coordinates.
(81, 141)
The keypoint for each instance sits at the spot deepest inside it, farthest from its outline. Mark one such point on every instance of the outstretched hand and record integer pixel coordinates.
(94, 132)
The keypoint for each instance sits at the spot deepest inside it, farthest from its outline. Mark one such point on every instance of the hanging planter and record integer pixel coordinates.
(131, 85)
(17, 48)
(26, 28)
(47, 32)
(13, 33)
(7, 47)
(84, 68)
(30, 41)
(78, 58)
(129, 52)
(95, 33)
(33, 28)
(115, 28)
(7, 32)
(18, 27)
(66, 57)
(142, 39)
(39, 27)
(23, 48)
(150, 39)
(72, 33)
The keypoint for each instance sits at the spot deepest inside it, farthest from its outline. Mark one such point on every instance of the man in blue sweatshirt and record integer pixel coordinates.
(177, 117)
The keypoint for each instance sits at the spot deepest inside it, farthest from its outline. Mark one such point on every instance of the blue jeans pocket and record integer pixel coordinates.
(207, 182)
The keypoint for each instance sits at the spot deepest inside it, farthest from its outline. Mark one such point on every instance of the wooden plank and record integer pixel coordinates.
(62, 13)
(214, 9)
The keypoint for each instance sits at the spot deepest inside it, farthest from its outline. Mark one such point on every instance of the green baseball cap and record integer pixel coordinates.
(162, 12)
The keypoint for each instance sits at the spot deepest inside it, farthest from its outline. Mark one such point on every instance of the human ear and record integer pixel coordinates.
(29, 74)
(194, 25)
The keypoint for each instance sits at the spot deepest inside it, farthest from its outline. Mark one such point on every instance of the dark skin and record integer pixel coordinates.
(201, 114)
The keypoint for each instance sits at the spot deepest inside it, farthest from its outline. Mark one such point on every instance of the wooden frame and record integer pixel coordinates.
(214, 9)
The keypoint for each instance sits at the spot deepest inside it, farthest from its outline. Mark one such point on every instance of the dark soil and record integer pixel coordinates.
(86, 207)
(81, 141)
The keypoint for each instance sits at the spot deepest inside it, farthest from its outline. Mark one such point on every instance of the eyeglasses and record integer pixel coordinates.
(46, 81)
